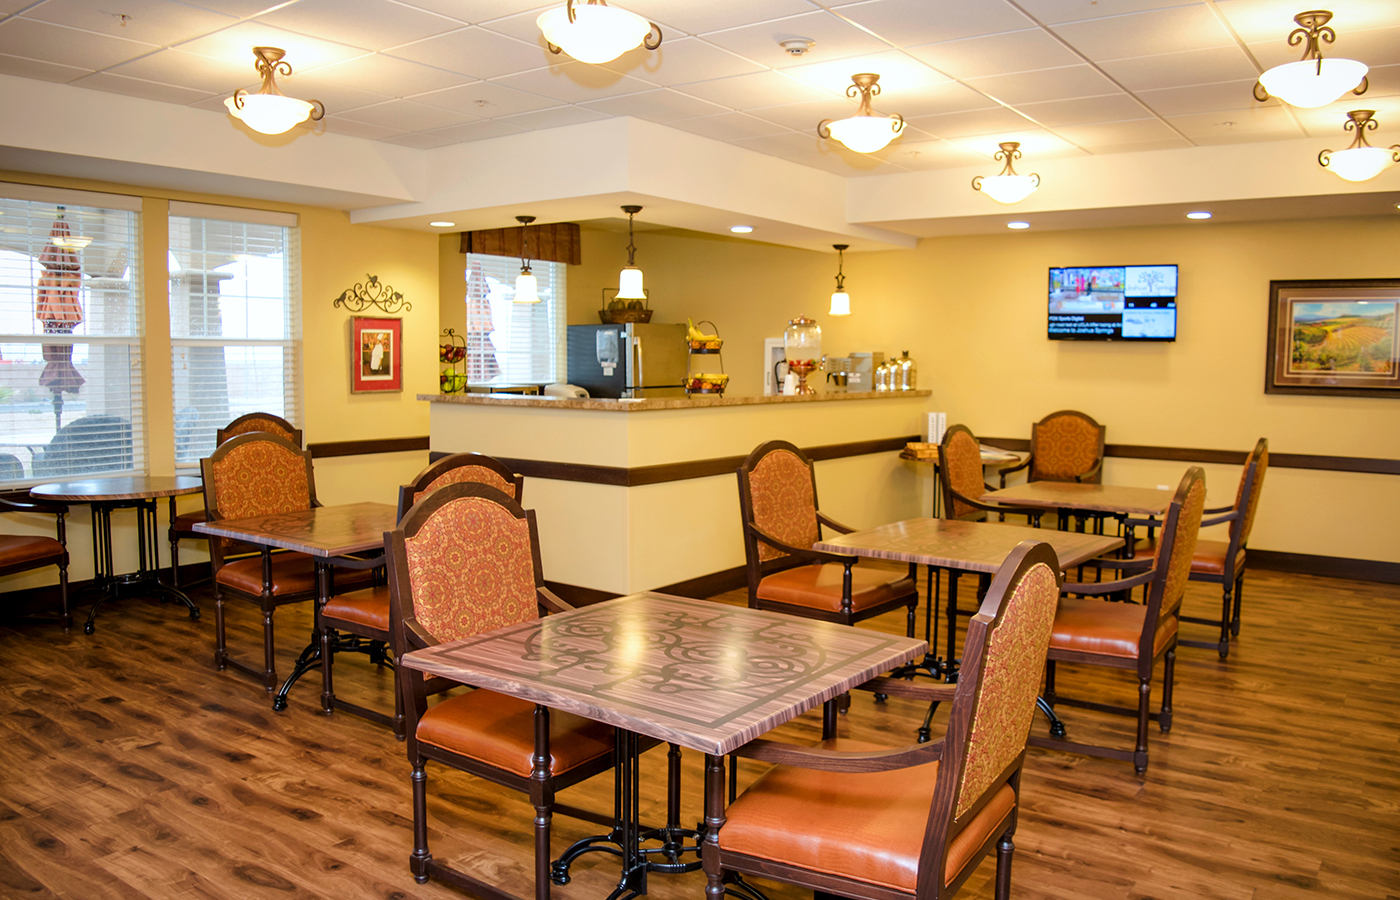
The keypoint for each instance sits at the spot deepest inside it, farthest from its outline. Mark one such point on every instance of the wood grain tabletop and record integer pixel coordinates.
(324, 531)
(133, 487)
(1095, 497)
(966, 546)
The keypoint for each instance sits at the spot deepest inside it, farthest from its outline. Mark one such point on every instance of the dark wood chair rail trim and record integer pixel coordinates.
(1229, 457)
(361, 448)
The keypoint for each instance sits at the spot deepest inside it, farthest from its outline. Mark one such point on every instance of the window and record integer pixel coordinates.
(71, 394)
(235, 319)
(508, 342)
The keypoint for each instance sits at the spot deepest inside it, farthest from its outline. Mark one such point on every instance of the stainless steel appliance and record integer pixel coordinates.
(632, 361)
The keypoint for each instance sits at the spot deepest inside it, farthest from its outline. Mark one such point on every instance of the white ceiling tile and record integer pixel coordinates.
(1085, 110)
(1383, 81)
(1036, 144)
(520, 26)
(558, 117)
(1053, 12)
(715, 15)
(1107, 133)
(387, 75)
(488, 100)
(804, 116)
(214, 103)
(477, 11)
(680, 61)
(362, 130)
(753, 91)
(1179, 69)
(13, 6)
(1171, 143)
(1046, 84)
(574, 82)
(422, 140)
(934, 154)
(336, 97)
(135, 87)
(1330, 122)
(241, 9)
(898, 73)
(1272, 20)
(477, 52)
(1375, 47)
(152, 21)
(938, 99)
(476, 131)
(728, 126)
(1201, 98)
(199, 73)
(997, 54)
(1221, 126)
(655, 106)
(1250, 137)
(38, 70)
(835, 39)
(371, 24)
(830, 156)
(66, 46)
(970, 122)
(908, 22)
(1144, 33)
(236, 45)
(405, 115)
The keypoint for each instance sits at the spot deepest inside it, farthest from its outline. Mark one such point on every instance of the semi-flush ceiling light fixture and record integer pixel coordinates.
(840, 300)
(1360, 161)
(1312, 81)
(867, 130)
(526, 288)
(741, 229)
(1202, 214)
(1007, 186)
(269, 110)
(629, 282)
(1018, 226)
(594, 32)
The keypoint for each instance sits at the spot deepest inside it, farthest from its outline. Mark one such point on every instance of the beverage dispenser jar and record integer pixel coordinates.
(905, 372)
(802, 345)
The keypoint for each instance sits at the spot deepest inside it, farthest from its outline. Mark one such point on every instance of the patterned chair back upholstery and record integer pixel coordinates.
(783, 496)
(1065, 444)
(961, 459)
(252, 423)
(1260, 460)
(471, 562)
(258, 474)
(1187, 506)
(456, 469)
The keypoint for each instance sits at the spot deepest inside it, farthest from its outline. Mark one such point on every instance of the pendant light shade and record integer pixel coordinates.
(629, 282)
(269, 110)
(1007, 186)
(867, 130)
(526, 288)
(594, 32)
(1360, 161)
(1312, 81)
(840, 300)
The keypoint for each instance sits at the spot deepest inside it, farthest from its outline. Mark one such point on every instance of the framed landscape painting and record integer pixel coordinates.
(376, 352)
(1334, 338)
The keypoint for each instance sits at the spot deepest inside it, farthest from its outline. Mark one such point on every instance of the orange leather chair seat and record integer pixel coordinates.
(500, 731)
(368, 608)
(1208, 560)
(185, 522)
(292, 573)
(868, 826)
(1087, 625)
(18, 549)
(819, 586)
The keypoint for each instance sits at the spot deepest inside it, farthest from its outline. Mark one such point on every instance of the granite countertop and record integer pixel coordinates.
(704, 401)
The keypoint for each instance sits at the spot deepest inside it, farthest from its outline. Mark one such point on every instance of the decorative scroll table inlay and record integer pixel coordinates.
(703, 675)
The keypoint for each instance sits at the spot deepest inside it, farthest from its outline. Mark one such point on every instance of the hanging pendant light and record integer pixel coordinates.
(594, 32)
(629, 282)
(1007, 186)
(867, 130)
(526, 288)
(840, 300)
(269, 110)
(1360, 161)
(1312, 81)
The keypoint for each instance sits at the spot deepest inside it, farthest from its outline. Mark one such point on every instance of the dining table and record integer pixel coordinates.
(337, 535)
(1120, 501)
(703, 675)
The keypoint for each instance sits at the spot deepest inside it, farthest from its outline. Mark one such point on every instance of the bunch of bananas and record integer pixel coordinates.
(699, 340)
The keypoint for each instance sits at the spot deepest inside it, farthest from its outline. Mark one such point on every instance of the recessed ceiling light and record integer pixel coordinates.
(741, 229)
(443, 224)
(1018, 225)
(1198, 215)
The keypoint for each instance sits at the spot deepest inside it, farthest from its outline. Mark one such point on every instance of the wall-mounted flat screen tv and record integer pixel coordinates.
(1113, 303)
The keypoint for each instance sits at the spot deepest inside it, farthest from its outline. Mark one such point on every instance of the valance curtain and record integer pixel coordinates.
(557, 242)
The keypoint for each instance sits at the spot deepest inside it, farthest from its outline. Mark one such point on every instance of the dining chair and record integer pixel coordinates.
(1223, 562)
(1092, 629)
(1066, 445)
(365, 613)
(781, 521)
(25, 552)
(182, 525)
(464, 560)
(960, 477)
(852, 819)
(258, 474)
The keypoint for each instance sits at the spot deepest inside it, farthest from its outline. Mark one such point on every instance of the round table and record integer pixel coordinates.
(138, 492)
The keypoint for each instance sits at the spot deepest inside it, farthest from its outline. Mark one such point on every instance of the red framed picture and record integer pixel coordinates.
(376, 347)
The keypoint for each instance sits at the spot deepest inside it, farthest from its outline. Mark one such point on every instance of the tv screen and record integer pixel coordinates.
(1113, 303)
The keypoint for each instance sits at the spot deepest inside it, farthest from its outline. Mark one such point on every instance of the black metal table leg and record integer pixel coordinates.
(146, 579)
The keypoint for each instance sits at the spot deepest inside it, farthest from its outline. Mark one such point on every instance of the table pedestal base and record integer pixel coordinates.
(145, 581)
(627, 836)
(310, 658)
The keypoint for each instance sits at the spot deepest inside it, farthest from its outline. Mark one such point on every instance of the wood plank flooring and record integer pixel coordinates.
(130, 768)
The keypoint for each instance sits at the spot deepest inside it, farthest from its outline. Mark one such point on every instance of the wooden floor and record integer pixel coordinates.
(130, 768)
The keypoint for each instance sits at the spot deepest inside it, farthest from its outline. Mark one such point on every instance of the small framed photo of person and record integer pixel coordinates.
(376, 349)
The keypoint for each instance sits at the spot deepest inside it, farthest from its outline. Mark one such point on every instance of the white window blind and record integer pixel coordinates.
(235, 320)
(508, 342)
(71, 391)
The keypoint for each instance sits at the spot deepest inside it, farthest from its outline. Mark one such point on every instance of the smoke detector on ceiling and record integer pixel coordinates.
(797, 46)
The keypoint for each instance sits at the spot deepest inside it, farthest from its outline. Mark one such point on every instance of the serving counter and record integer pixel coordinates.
(635, 495)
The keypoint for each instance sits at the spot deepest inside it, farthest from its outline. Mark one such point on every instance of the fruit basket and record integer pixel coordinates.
(700, 342)
(706, 383)
(623, 316)
(452, 379)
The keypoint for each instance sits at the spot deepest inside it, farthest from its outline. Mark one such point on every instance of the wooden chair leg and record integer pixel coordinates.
(1235, 620)
(1144, 701)
(63, 596)
(419, 859)
(269, 660)
(220, 638)
(1224, 646)
(175, 562)
(327, 658)
(1164, 718)
(1005, 848)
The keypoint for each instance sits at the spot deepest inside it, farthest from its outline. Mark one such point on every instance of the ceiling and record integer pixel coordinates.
(1067, 78)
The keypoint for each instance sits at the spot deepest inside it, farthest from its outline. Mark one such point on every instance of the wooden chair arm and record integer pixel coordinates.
(1107, 587)
(840, 761)
(1097, 467)
(1230, 516)
(1111, 563)
(1033, 512)
(800, 552)
(833, 524)
(551, 601)
(1016, 468)
(1217, 510)
(899, 687)
(358, 562)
